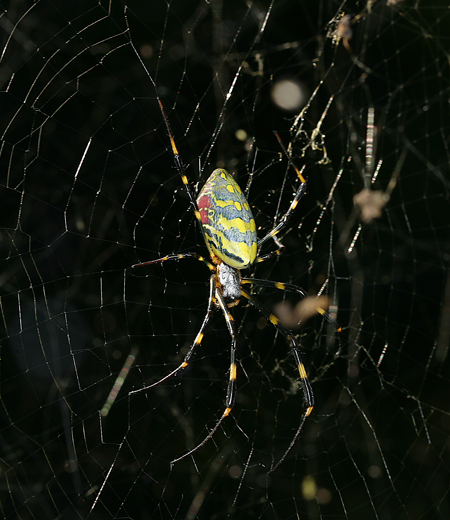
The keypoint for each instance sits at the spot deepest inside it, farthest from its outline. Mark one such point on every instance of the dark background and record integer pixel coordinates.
(88, 189)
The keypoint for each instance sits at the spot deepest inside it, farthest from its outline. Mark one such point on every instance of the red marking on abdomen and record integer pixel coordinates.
(204, 203)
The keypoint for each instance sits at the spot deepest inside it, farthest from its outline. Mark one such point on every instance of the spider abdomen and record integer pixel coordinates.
(227, 220)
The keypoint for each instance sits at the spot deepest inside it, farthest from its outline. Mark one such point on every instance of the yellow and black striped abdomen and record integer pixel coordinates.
(228, 224)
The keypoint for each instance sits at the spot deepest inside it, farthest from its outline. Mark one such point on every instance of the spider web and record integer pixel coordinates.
(89, 189)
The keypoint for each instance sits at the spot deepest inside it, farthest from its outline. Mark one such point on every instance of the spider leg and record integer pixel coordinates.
(179, 165)
(231, 390)
(294, 288)
(284, 220)
(195, 344)
(308, 394)
(178, 257)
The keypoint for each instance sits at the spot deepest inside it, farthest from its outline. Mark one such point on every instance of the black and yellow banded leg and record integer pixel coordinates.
(231, 390)
(268, 256)
(285, 218)
(231, 324)
(294, 288)
(306, 386)
(180, 256)
(308, 394)
(180, 167)
(195, 344)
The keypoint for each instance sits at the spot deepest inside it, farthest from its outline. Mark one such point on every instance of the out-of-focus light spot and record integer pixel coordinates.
(146, 51)
(323, 496)
(289, 94)
(241, 134)
(235, 471)
(309, 488)
(374, 471)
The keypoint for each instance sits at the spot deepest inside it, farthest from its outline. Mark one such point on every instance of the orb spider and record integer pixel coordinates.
(229, 230)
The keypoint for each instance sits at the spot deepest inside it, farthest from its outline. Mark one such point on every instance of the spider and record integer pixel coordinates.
(229, 231)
